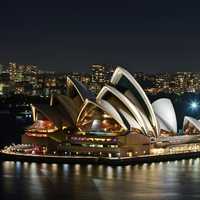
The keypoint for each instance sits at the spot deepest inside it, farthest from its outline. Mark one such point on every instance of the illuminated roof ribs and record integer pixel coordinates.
(78, 92)
(47, 112)
(102, 117)
(123, 81)
(191, 120)
(126, 108)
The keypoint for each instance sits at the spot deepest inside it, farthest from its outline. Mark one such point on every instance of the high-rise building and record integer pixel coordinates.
(100, 74)
(12, 71)
(75, 75)
(1, 68)
(5, 84)
(86, 80)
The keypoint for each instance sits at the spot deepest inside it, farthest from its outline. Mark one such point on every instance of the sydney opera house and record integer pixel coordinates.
(120, 120)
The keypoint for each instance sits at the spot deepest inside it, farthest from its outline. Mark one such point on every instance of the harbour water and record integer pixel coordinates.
(164, 180)
(155, 181)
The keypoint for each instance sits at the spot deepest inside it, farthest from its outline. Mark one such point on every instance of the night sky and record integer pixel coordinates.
(149, 36)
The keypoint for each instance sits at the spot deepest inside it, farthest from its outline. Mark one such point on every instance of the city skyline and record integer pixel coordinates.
(31, 80)
(86, 68)
(142, 36)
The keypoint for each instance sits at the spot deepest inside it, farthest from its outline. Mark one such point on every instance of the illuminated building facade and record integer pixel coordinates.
(5, 83)
(29, 80)
(100, 75)
(120, 120)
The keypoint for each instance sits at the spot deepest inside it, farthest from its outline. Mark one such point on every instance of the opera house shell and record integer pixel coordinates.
(120, 118)
(165, 115)
(191, 126)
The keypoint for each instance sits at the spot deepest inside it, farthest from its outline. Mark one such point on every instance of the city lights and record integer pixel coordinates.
(110, 125)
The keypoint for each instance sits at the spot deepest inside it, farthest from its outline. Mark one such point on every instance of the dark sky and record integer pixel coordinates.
(143, 35)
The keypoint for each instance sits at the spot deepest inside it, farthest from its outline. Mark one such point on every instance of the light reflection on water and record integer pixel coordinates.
(164, 180)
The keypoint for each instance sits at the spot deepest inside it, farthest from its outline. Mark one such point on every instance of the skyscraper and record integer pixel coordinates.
(100, 74)
(12, 71)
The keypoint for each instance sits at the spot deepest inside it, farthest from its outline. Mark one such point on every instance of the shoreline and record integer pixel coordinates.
(98, 160)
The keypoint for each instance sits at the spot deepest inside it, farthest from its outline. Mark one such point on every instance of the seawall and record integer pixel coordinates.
(98, 160)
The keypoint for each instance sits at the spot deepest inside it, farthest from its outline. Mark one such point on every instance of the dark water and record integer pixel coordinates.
(167, 180)
(10, 129)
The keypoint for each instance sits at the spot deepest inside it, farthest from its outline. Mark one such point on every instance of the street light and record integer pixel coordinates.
(194, 105)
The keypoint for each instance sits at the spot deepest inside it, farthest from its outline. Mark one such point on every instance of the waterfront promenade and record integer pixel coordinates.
(99, 160)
